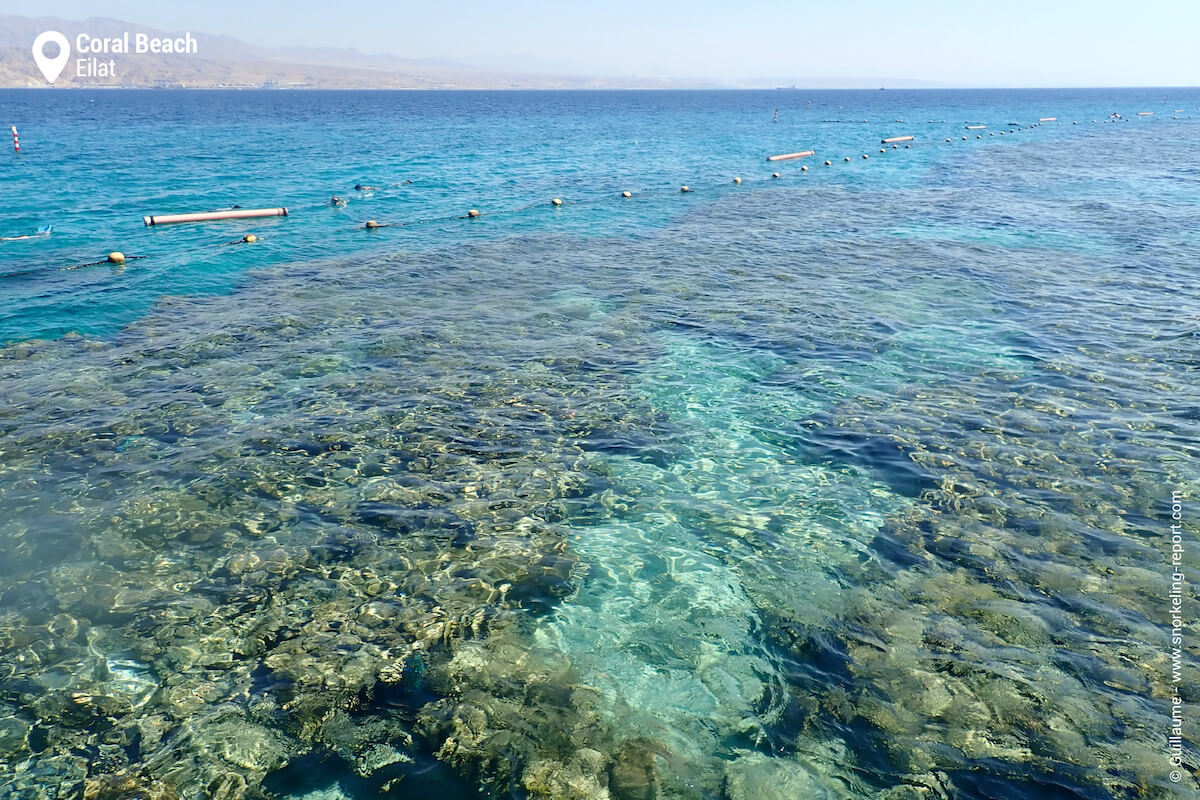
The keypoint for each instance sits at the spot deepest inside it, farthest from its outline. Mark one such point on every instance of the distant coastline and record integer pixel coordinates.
(222, 62)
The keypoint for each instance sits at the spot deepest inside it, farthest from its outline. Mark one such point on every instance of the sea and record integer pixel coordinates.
(869, 474)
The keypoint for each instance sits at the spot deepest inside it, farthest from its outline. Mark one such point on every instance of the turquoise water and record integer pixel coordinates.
(854, 483)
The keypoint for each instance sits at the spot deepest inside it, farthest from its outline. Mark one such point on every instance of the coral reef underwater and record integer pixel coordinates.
(550, 519)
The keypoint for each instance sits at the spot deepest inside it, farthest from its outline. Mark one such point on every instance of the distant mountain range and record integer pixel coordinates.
(226, 62)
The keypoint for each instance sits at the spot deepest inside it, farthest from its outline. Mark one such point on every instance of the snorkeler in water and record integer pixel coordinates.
(43, 231)
(361, 188)
(336, 201)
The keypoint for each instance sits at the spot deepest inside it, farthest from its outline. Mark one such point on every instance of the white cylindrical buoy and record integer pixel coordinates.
(882, 150)
(774, 174)
(947, 140)
(207, 216)
(896, 139)
(116, 257)
(788, 156)
(847, 158)
(865, 155)
(804, 169)
(829, 163)
(16, 141)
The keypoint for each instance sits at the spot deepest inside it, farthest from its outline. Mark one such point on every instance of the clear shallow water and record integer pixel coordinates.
(852, 484)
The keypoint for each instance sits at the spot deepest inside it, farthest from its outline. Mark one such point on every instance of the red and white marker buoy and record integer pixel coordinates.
(16, 141)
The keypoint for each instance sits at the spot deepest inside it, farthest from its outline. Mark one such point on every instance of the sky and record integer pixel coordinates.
(970, 43)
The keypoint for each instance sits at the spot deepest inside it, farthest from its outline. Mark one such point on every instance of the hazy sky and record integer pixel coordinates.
(950, 42)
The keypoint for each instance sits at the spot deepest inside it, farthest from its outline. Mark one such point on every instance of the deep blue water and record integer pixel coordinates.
(852, 483)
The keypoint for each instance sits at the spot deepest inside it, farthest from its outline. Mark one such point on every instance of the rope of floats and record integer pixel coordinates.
(117, 258)
(627, 194)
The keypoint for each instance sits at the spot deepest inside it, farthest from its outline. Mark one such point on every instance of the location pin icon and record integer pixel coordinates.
(51, 67)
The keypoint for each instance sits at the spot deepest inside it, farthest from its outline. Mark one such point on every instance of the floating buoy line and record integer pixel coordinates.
(119, 259)
(116, 258)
